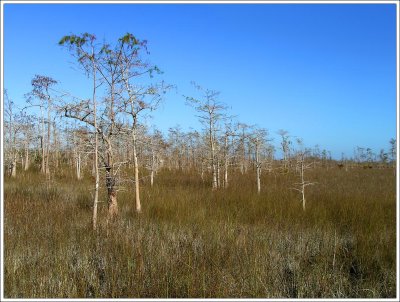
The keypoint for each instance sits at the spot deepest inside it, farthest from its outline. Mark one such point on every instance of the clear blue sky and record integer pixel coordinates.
(326, 73)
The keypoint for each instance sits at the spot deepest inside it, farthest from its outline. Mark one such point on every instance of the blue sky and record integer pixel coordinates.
(325, 73)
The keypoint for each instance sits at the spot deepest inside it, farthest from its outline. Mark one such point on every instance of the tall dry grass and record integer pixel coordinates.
(191, 242)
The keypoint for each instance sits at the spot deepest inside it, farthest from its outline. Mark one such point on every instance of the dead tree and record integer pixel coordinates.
(302, 166)
(229, 140)
(156, 144)
(13, 129)
(392, 151)
(383, 158)
(41, 90)
(211, 113)
(244, 139)
(258, 139)
(193, 138)
(57, 141)
(285, 146)
(27, 127)
(176, 140)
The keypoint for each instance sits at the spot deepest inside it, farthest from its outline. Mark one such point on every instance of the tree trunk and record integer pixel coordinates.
(214, 174)
(226, 162)
(214, 168)
(26, 166)
(153, 168)
(152, 178)
(78, 166)
(14, 158)
(303, 183)
(56, 151)
(226, 175)
(95, 202)
(14, 166)
(258, 167)
(112, 205)
(218, 175)
(48, 142)
(43, 167)
(243, 164)
(213, 164)
(96, 152)
(111, 195)
(136, 168)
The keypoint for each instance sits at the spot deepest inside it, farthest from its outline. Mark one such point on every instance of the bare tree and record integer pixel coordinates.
(259, 140)
(156, 144)
(13, 129)
(229, 137)
(302, 166)
(41, 90)
(392, 152)
(27, 130)
(285, 146)
(192, 138)
(211, 113)
(383, 158)
(244, 137)
(177, 144)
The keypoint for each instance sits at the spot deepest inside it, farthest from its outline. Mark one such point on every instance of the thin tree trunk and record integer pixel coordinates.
(14, 165)
(226, 163)
(153, 168)
(226, 175)
(43, 166)
(48, 142)
(213, 164)
(14, 157)
(258, 167)
(26, 166)
(56, 151)
(96, 147)
(136, 168)
(303, 184)
(214, 173)
(78, 166)
(218, 175)
(242, 166)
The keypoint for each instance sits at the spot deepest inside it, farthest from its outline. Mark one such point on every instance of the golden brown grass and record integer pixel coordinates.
(191, 242)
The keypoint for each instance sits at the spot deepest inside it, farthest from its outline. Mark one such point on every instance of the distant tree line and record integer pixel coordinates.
(106, 137)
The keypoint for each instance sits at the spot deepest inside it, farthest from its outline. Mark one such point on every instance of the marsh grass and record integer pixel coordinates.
(192, 242)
